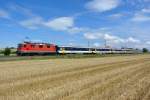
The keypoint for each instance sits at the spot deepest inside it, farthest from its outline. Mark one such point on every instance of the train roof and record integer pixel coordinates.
(83, 47)
(37, 43)
(96, 47)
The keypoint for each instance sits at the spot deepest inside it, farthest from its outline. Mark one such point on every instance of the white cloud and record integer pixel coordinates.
(96, 44)
(32, 23)
(141, 17)
(102, 5)
(133, 40)
(75, 29)
(104, 36)
(117, 15)
(148, 42)
(21, 10)
(93, 36)
(4, 14)
(58, 24)
(112, 39)
(147, 1)
(32, 20)
(146, 10)
(61, 23)
(116, 39)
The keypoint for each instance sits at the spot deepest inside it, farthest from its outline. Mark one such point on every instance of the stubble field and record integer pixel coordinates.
(108, 78)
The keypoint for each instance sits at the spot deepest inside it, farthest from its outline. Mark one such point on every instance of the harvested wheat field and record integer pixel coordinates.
(108, 78)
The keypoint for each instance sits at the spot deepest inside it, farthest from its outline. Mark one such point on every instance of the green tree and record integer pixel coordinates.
(7, 51)
(1, 52)
(145, 50)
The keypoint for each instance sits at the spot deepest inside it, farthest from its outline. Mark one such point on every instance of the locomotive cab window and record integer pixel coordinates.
(24, 46)
(40, 46)
(48, 46)
(32, 46)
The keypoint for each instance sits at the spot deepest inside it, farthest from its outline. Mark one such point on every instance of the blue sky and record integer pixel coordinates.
(75, 22)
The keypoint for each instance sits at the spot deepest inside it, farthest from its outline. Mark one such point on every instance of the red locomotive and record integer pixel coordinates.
(29, 48)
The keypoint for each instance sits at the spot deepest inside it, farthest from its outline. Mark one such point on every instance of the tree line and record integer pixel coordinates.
(7, 51)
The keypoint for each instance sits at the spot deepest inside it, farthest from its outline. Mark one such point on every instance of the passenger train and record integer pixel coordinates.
(29, 48)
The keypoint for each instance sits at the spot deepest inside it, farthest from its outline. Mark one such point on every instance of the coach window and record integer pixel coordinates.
(40, 46)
